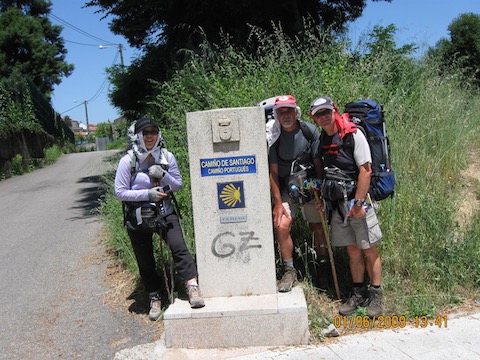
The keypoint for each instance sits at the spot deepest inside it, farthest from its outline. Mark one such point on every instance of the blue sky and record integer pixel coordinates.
(88, 80)
(422, 22)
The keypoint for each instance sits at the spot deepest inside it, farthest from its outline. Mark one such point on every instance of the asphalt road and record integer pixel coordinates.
(53, 267)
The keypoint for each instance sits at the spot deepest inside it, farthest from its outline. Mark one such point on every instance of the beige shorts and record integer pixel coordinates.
(364, 231)
(309, 211)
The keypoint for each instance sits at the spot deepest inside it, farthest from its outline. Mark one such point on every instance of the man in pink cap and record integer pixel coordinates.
(293, 158)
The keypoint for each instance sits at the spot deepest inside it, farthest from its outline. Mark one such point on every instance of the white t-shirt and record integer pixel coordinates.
(361, 151)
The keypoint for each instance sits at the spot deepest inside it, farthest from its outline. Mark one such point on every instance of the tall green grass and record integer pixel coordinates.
(432, 124)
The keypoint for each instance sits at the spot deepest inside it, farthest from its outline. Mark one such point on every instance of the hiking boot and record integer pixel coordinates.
(155, 307)
(195, 297)
(374, 302)
(356, 299)
(289, 279)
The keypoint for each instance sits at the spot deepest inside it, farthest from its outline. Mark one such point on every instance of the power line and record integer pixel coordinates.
(63, 112)
(104, 84)
(75, 42)
(105, 81)
(73, 27)
(99, 91)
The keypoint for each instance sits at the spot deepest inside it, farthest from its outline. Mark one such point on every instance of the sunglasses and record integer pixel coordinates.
(149, 132)
(322, 113)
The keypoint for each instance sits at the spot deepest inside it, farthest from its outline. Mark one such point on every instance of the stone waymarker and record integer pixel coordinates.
(234, 240)
(231, 202)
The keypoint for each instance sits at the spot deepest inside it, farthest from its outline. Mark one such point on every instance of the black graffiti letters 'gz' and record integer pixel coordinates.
(222, 246)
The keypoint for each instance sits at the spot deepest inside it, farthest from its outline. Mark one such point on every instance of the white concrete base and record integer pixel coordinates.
(257, 320)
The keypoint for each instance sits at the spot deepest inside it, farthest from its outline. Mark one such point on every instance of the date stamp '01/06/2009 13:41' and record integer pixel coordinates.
(388, 322)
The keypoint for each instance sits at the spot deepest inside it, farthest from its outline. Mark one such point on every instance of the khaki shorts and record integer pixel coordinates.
(309, 211)
(364, 231)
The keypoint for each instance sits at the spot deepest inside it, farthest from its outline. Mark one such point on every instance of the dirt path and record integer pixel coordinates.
(469, 203)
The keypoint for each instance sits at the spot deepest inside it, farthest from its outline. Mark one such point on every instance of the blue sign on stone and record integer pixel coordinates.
(228, 165)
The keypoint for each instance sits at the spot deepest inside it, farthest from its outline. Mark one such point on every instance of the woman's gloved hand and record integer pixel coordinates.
(156, 194)
(156, 171)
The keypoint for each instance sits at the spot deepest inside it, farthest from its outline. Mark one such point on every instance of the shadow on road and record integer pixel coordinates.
(140, 299)
(89, 197)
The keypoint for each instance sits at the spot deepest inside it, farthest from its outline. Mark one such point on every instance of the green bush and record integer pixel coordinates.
(120, 143)
(18, 165)
(52, 154)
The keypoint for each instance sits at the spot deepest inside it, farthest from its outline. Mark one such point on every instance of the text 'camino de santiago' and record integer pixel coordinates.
(228, 165)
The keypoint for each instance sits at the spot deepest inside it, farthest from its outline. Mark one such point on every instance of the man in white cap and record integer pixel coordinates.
(346, 154)
(292, 159)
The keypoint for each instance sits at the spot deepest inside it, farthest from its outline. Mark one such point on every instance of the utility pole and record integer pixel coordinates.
(86, 117)
(120, 50)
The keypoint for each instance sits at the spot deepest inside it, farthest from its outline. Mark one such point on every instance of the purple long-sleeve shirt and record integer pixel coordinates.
(138, 189)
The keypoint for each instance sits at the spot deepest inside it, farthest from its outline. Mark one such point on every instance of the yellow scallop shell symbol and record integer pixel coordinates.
(230, 195)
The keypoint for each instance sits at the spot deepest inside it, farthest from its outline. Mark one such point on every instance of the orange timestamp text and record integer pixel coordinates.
(386, 322)
(424, 321)
(365, 322)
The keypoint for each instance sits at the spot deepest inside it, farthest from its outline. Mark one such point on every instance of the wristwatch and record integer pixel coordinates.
(359, 203)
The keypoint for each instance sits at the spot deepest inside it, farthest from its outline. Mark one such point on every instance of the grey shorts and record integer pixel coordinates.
(309, 211)
(365, 231)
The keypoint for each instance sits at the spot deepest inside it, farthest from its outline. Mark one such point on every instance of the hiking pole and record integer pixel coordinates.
(329, 247)
(315, 185)
(165, 277)
(385, 146)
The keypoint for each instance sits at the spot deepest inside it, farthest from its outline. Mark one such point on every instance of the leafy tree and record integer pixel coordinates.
(164, 29)
(16, 115)
(66, 120)
(462, 50)
(381, 40)
(16, 107)
(178, 21)
(380, 46)
(104, 130)
(31, 45)
(120, 129)
(132, 85)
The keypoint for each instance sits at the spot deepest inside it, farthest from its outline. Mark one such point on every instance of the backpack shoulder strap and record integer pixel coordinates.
(345, 125)
(126, 205)
(163, 160)
(362, 129)
(322, 136)
(349, 140)
(305, 130)
(307, 133)
(133, 165)
(164, 164)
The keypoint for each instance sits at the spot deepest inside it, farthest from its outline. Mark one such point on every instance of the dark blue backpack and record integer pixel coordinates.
(369, 117)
